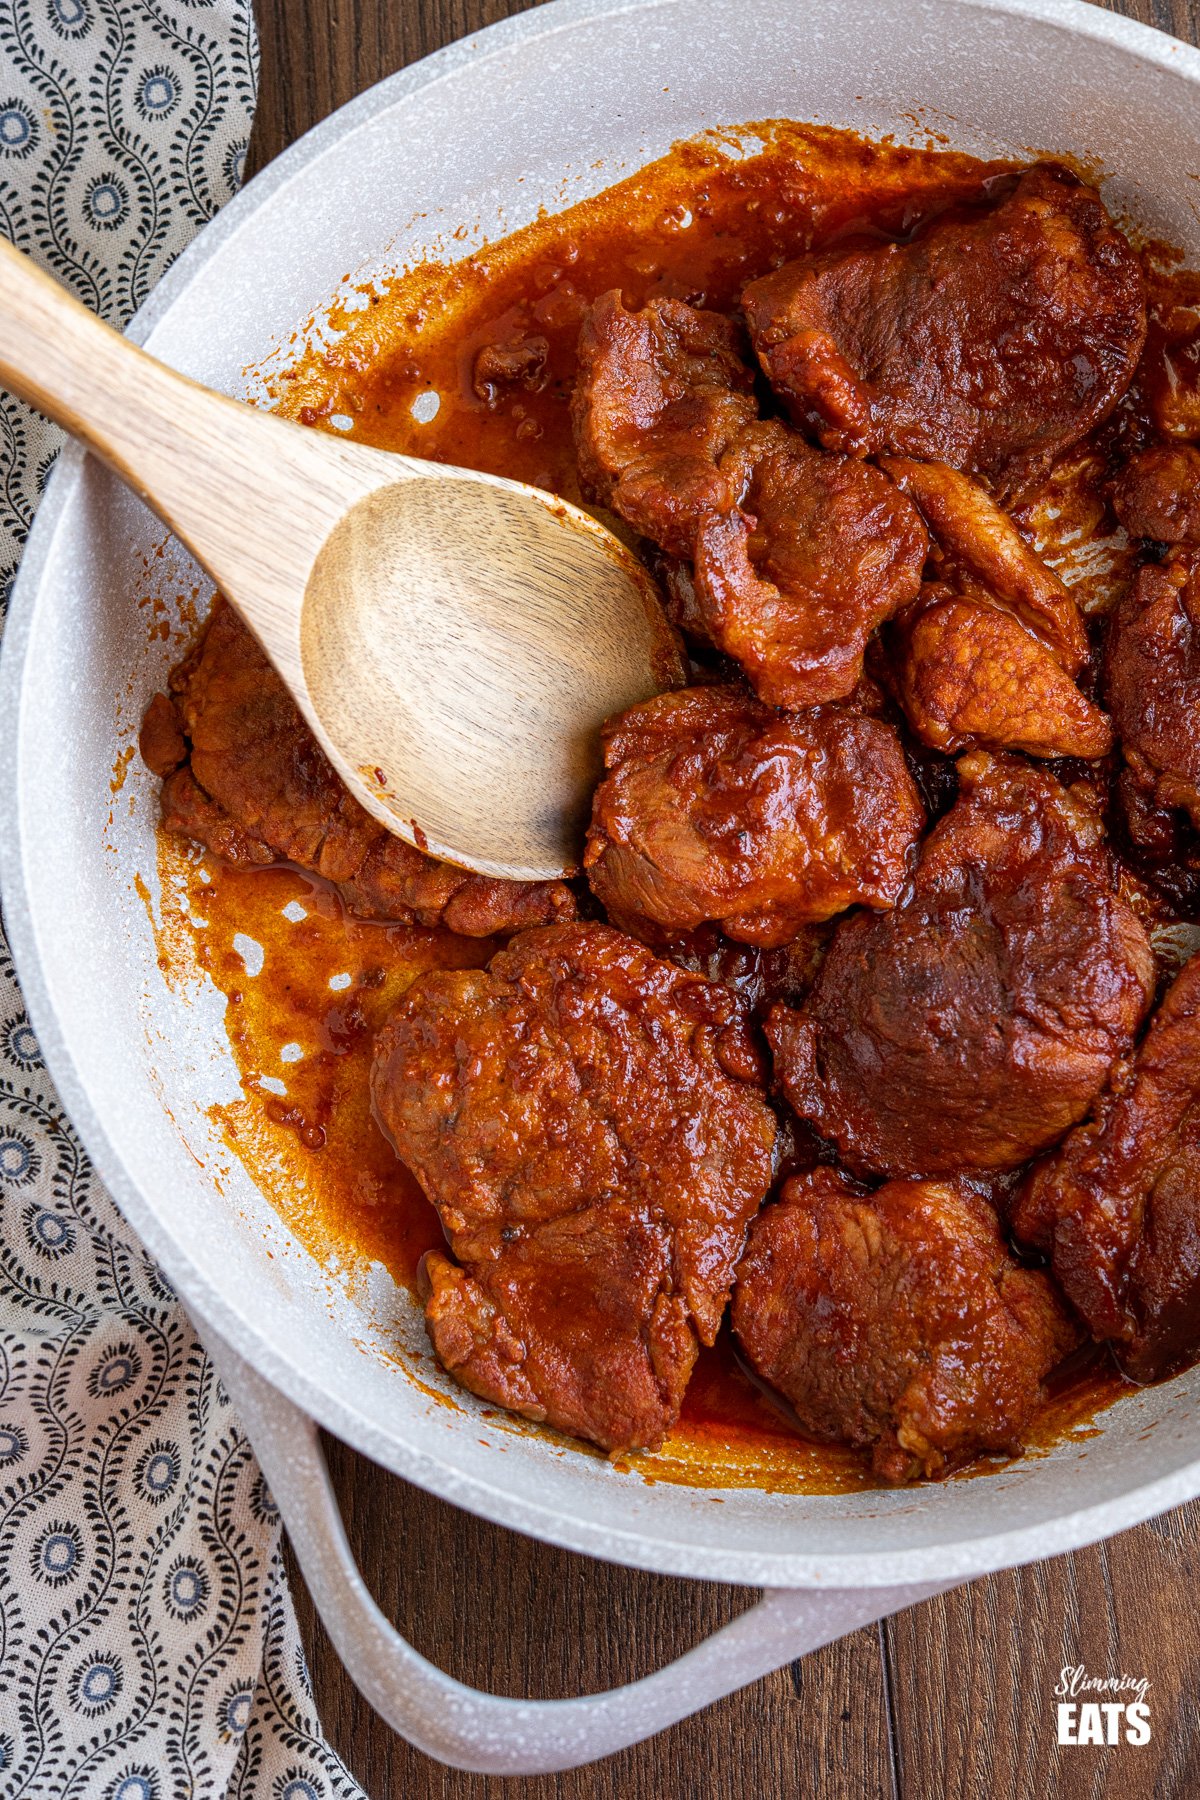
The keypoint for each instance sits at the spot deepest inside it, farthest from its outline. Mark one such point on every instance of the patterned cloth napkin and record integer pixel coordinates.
(148, 1646)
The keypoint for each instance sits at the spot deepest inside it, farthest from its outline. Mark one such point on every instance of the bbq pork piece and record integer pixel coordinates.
(1152, 681)
(520, 361)
(1170, 375)
(716, 808)
(971, 676)
(588, 1122)
(897, 1321)
(970, 1027)
(245, 777)
(798, 556)
(759, 977)
(661, 396)
(1157, 494)
(986, 658)
(818, 553)
(1118, 1205)
(990, 342)
(980, 542)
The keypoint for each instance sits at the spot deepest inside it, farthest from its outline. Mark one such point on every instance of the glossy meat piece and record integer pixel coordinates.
(661, 395)
(988, 342)
(798, 556)
(716, 808)
(983, 543)
(759, 977)
(257, 788)
(897, 1321)
(1156, 831)
(1157, 494)
(1171, 379)
(1152, 683)
(970, 1027)
(1118, 1205)
(187, 811)
(1164, 853)
(588, 1122)
(969, 675)
(681, 603)
(498, 366)
(161, 743)
(792, 583)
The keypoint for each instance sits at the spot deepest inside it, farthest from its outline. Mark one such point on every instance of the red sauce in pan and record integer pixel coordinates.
(696, 225)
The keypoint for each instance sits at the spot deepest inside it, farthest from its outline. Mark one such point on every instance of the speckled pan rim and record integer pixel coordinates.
(958, 1559)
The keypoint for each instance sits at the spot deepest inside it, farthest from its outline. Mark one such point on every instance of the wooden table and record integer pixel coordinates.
(952, 1698)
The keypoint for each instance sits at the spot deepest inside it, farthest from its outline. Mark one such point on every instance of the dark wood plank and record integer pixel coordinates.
(961, 1703)
(317, 54)
(973, 1674)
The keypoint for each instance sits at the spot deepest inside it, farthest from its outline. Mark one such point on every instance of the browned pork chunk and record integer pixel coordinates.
(980, 543)
(897, 1321)
(588, 1122)
(716, 808)
(792, 582)
(1152, 682)
(245, 777)
(971, 1026)
(516, 361)
(661, 396)
(1170, 374)
(1157, 494)
(985, 658)
(1118, 1205)
(990, 341)
(971, 676)
(798, 556)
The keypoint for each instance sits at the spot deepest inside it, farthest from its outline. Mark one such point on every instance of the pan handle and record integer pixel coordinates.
(487, 1733)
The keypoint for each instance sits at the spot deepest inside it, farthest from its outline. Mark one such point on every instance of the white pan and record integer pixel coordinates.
(540, 110)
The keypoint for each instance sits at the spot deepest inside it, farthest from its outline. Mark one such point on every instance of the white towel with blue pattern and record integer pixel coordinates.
(148, 1646)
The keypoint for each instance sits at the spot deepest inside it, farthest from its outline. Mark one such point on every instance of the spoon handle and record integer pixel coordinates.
(252, 496)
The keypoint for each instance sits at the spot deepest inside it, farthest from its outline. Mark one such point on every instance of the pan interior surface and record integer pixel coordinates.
(538, 112)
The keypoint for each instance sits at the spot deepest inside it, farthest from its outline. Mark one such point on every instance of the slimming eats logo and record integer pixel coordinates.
(1102, 1709)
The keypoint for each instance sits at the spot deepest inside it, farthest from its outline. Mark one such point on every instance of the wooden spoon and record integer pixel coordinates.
(454, 640)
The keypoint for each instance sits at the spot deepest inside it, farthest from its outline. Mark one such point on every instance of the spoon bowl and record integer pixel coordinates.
(462, 642)
(454, 641)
